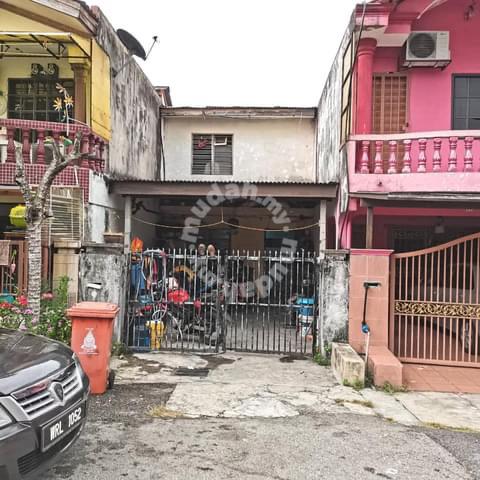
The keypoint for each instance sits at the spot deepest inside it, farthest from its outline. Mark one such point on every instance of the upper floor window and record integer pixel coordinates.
(466, 102)
(212, 154)
(33, 99)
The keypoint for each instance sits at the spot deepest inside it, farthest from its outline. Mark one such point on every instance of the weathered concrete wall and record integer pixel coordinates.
(264, 150)
(103, 274)
(334, 297)
(329, 117)
(135, 145)
(104, 212)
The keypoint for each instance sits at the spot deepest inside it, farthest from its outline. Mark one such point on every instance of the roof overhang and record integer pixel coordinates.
(71, 15)
(448, 200)
(241, 112)
(182, 189)
(43, 44)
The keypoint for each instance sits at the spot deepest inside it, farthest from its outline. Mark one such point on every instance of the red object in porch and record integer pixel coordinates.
(92, 329)
(178, 296)
(197, 305)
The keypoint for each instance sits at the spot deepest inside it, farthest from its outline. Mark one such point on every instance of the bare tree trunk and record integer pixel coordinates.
(36, 203)
(34, 238)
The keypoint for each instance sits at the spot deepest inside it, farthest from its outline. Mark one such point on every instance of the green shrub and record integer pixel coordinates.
(53, 322)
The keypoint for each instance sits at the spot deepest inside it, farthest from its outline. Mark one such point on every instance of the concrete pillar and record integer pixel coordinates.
(369, 265)
(127, 237)
(322, 228)
(65, 264)
(364, 85)
(369, 228)
(80, 72)
(345, 231)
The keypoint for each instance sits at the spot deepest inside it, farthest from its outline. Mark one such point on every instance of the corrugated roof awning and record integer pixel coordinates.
(44, 44)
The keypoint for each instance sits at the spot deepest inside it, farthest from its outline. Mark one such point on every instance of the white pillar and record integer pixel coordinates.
(127, 235)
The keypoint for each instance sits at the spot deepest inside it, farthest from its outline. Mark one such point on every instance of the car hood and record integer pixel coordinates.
(26, 359)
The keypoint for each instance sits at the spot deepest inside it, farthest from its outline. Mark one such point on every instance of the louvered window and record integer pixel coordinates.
(212, 154)
(390, 111)
(67, 213)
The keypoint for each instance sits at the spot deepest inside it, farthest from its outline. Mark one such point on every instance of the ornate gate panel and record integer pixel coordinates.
(435, 304)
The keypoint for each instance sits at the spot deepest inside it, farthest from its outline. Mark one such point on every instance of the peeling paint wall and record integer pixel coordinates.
(334, 273)
(264, 150)
(135, 146)
(329, 118)
(104, 212)
(102, 278)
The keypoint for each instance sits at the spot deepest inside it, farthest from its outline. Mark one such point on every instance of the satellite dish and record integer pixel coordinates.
(132, 44)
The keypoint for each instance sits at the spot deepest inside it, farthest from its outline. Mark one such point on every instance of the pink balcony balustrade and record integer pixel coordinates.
(432, 161)
(451, 151)
(16, 138)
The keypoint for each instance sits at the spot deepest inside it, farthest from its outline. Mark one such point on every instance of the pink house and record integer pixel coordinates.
(399, 124)
(409, 107)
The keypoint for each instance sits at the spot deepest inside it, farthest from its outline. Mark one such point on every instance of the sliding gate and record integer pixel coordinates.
(435, 304)
(254, 302)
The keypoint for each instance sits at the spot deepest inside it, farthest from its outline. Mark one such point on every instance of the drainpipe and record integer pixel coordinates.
(365, 328)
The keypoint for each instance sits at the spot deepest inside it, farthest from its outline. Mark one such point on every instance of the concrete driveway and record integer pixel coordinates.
(239, 416)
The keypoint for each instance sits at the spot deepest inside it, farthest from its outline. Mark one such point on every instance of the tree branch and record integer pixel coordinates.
(59, 163)
(21, 179)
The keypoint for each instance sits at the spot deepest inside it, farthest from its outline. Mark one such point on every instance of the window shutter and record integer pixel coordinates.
(212, 154)
(390, 106)
(67, 210)
(222, 155)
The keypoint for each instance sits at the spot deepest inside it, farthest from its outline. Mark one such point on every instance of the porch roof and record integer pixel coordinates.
(182, 189)
(442, 200)
(42, 44)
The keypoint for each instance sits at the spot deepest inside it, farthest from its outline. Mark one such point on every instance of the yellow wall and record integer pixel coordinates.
(100, 92)
(98, 83)
(20, 68)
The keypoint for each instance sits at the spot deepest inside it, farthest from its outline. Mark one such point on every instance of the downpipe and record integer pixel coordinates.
(365, 328)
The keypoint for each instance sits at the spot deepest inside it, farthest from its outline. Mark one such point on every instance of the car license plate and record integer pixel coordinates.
(62, 426)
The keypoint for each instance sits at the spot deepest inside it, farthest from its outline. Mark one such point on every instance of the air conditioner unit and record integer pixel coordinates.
(427, 49)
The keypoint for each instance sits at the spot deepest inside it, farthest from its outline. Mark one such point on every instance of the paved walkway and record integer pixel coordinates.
(441, 378)
(237, 385)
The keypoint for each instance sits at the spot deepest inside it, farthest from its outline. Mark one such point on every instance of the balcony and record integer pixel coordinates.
(447, 161)
(37, 151)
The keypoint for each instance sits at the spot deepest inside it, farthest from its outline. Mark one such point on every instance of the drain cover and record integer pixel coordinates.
(191, 372)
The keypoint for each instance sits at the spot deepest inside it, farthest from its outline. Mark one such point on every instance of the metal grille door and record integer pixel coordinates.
(255, 302)
(435, 304)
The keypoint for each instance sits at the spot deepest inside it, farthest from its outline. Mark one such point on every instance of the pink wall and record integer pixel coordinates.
(430, 90)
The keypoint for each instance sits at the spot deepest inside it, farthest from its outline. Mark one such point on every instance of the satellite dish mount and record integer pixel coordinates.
(134, 47)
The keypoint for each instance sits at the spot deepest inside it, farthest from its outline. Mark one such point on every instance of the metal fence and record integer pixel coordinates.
(254, 302)
(435, 304)
(13, 276)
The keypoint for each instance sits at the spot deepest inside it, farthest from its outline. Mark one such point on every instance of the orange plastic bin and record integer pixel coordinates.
(92, 329)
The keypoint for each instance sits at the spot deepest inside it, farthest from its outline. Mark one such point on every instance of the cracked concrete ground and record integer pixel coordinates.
(257, 417)
(248, 385)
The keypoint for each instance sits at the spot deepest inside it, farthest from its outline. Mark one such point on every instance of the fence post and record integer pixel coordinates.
(318, 344)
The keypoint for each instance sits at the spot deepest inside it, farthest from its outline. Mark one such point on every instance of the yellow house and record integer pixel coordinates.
(44, 43)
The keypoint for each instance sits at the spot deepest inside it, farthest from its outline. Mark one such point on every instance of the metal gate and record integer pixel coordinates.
(435, 304)
(254, 302)
(13, 275)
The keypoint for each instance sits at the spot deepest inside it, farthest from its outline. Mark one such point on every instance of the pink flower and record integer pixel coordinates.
(47, 296)
(28, 311)
(23, 328)
(34, 321)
